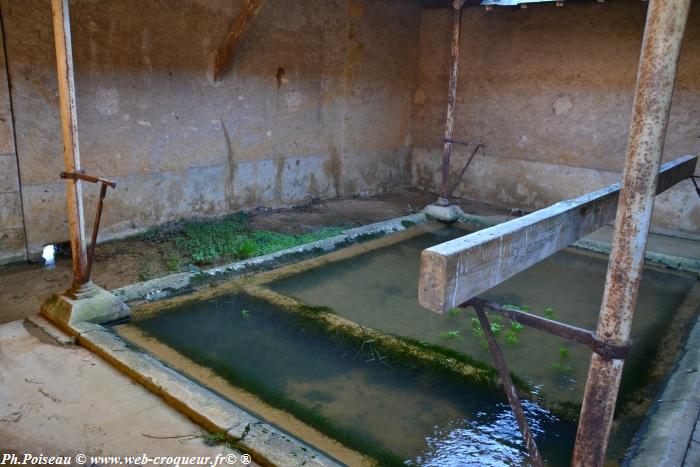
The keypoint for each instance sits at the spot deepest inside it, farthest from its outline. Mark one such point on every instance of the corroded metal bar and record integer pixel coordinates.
(606, 350)
(656, 77)
(464, 169)
(455, 141)
(88, 178)
(81, 175)
(508, 386)
(71, 150)
(96, 226)
(451, 102)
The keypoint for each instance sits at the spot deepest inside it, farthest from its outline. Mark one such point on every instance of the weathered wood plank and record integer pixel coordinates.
(455, 271)
(226, 51)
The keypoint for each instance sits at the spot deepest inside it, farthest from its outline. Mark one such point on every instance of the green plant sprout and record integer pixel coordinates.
(450, 335)
(561, 366)
(563, 353)
(514, 332)
(173, 263)
(213, 439)
(455, 311)
(549, 313)
(524, 308)
(476, 328)
(511, 330)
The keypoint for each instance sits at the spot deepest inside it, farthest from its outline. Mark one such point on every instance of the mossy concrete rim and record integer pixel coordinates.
(267, 444)
(477, 372)
(666, 434)
(444, 360)
(167, 286)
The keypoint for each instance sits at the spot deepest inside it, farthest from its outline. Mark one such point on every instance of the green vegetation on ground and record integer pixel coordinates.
(205, 241)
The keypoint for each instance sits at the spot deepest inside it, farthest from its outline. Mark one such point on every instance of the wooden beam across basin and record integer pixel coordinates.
(455, 271)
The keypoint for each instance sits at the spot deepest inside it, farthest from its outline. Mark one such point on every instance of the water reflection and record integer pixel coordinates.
(488, 439)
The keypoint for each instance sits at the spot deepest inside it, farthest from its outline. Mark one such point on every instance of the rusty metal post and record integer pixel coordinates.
(96, 226)
(656, 77)
(71, 151)
(451, 103)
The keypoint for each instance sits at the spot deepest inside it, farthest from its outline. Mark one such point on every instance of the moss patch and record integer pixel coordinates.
(205, 241)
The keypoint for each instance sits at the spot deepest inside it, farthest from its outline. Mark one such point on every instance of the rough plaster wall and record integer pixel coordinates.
(178, 144)
(549, 90)
(12, 245)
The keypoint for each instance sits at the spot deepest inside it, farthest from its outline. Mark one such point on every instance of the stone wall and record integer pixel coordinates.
(12, 242)
(317, 104)
(325, 98)
(549, 91)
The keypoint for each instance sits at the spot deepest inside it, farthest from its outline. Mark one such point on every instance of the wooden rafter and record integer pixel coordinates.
(226, 51)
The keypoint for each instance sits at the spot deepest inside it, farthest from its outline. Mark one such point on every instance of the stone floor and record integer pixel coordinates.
(58, 399)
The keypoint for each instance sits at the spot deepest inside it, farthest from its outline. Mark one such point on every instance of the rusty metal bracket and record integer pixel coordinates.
(583, 336)
(466, 166)
(454, 141)
(81, 175)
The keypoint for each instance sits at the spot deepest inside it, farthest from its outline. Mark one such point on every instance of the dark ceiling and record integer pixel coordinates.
(446, 3)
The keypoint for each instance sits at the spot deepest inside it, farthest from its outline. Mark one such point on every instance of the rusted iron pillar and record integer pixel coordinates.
(71, 151)
(451, 103)
(656, 77)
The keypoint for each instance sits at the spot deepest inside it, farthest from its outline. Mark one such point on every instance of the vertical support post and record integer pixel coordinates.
(451, 103)
(71, 151)
(656, 77)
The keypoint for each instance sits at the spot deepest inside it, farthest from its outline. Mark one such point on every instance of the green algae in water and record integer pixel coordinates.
(379, 289)
(392, 410)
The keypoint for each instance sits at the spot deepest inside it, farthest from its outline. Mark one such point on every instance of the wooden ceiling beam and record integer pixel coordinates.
(226, 51)
(448, 3)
